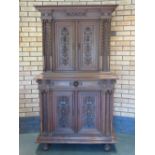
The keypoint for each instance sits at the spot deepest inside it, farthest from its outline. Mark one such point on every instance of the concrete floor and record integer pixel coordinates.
(27, 146)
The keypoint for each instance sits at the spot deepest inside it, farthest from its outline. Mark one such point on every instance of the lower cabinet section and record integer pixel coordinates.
(76, 115)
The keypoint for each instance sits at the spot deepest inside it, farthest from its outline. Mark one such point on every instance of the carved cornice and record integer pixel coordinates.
(76, 11)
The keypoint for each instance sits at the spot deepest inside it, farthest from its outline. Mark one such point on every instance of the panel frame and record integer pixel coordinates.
(89, 131)
(72, 116)
(58, 24)
(82, 23)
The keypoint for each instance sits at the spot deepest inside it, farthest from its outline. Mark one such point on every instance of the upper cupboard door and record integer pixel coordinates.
(64, 50)
(88, 45)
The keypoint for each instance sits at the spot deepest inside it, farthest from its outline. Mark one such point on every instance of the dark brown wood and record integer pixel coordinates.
(76, 87)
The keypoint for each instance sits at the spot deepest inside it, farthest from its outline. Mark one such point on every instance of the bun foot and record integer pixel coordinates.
(45, 147)
(107, 147)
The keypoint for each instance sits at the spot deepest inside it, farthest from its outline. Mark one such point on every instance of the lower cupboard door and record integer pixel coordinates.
(63, 113)
(89, 113)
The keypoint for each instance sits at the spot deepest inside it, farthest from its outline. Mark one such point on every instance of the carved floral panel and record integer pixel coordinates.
(64, 46)
(88, 48)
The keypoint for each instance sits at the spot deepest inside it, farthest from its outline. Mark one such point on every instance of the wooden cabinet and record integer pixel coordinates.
(76, 88)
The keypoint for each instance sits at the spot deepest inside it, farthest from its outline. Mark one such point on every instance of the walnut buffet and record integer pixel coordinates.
(76, 87)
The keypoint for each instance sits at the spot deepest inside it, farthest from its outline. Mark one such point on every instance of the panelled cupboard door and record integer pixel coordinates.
(63, 112)
(89, 112)
(88, 33)
(64, 46)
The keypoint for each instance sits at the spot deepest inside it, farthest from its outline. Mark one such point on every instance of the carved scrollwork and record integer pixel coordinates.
(64, 59)
(63, 111)
(88, 36)
(89, 112)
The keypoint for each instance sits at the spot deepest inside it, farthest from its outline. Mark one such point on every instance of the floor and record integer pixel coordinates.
(27, 146)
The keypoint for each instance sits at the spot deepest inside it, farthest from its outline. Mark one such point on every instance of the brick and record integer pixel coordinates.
(23, 34)
(34, 14)
(28, 68)
(34, 44)
(31, 95)
(30, 58)
(29, 49)
(21, 14)
(49, 3)
(79, 3)
(34, 3)
(64, 3)
(32, 114)
(25, 19)
(21, 114)
(37, 63)
(21, 24)
(22, 3)
(123, 23)
(29, 29)
(23, 8)
(31, 105)
(25, 109)
(122, 12)
(128, 38)
(36, 109)
(121, 109)
(129, 17)
(35, 34)
(129, 27)
(94, 3)
(36, 24)
(23, 44)
(29, 39)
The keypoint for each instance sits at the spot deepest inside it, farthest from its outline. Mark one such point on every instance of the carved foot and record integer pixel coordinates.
(107, 147)
(45, 147)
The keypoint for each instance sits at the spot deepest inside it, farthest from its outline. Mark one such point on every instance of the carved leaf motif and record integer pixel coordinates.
(64, 43)
(89, 112)
(63, 111)
(88, 46)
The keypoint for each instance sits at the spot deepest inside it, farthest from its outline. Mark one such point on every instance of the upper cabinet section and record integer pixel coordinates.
(76, 38)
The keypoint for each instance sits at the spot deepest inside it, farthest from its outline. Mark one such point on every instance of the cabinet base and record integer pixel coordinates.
(76, 139)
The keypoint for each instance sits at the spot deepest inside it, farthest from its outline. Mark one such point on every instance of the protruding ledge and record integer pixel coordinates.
(76, 11)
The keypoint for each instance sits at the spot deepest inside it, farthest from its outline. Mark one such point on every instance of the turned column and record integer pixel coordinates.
(47, 26)
(105, 24)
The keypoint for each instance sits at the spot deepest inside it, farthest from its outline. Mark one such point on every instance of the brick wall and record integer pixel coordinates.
(122, 53)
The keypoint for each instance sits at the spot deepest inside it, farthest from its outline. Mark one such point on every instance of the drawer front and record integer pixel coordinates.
(75, 84)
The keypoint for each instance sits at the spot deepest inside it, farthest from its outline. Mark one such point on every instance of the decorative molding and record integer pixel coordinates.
(75, 13)
(47, 15)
